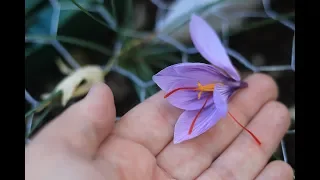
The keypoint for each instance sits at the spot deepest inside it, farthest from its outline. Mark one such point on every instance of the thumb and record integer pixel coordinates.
(84, 125)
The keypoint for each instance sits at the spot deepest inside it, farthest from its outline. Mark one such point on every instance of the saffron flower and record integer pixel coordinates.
(202, 90)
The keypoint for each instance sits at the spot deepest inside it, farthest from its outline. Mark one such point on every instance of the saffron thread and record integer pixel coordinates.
(201, 88)
(254, 137)
(194, 120)
(178, 89)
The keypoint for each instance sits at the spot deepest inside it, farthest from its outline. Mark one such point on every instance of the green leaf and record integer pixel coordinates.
(184, 18)
(44, 103)
(112, 27)
(133, 70)
(144, 71)
(155, 51)
(128, 14)
(127, 19)
(151, 91)
(162, 61)
(114, 10)
(159, 64)
(39, 120)
(122, 31)
(72, 40)
(166, 58)
(261, 24)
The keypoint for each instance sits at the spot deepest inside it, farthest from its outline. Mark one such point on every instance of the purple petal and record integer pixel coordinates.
(187, 75)
(220, 98)
(207, 42)
(207, 119)
(188, 99)
(222, 93)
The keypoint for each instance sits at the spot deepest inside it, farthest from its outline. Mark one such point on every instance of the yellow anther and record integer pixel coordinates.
(199, 94)
(205, 88)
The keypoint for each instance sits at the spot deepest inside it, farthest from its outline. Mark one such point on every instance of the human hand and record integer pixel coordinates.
(85, 143)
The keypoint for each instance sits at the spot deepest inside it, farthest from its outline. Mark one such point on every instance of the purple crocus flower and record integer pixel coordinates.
(202, 90)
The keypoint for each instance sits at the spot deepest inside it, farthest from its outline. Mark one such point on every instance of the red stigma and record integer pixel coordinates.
(194, 120)
(178, 89)
(254, 137)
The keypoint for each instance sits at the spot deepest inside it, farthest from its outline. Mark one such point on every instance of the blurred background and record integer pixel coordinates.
(70, 44)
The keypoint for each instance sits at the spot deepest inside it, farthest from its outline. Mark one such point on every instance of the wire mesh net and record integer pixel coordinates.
(185, 51)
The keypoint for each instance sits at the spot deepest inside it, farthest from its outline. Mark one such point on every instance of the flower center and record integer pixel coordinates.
(201, 88)
(204, 88)
(207, 88)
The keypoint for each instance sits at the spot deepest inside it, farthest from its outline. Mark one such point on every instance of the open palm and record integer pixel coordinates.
(84, 142)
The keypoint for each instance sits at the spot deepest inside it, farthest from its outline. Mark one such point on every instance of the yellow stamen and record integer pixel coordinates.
(204, 88)
(201, 88)
(199, 94)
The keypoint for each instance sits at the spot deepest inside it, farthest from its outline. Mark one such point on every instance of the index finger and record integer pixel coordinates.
(150, 123)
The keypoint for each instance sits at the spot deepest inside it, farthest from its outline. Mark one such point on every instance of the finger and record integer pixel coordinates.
(189, 159)
(150, 123)
(84, 125)
(276, 170)
(123, 158)
(244, 159)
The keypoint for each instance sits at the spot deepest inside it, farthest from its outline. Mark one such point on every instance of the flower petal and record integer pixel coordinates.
(207, 42)
(188, 99)
(188, 75)
(207, 119)
(222, 93)
(70, 85)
